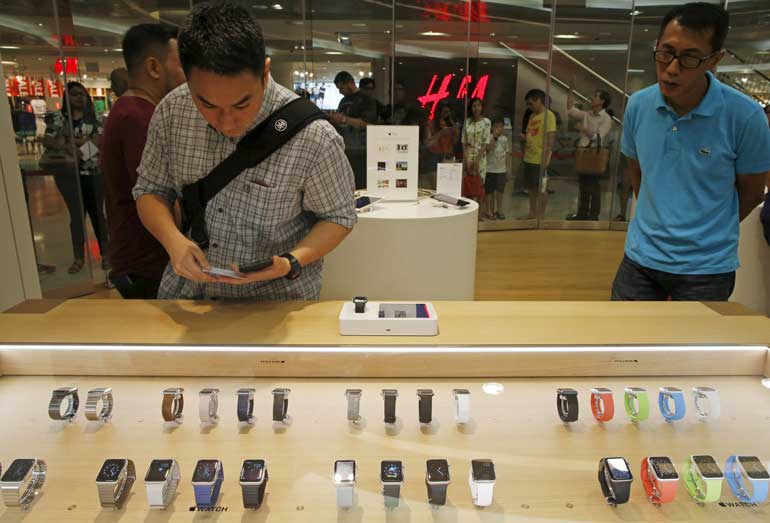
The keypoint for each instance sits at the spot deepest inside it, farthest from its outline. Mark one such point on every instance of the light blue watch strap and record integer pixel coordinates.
(679, 404)
(207, 495)
(735, 480)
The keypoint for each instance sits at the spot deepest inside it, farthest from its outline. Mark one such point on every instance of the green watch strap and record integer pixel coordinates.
(643, 400)
(700, 489)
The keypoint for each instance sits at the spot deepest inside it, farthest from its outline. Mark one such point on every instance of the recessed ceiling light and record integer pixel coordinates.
(8, 62)
(40, 25)
(492, 34)
(334, 52)
(567, 37)
(433, 33)
(277, 7)
(259, 6)
(360, 73)
(636, 12)
(118, 50)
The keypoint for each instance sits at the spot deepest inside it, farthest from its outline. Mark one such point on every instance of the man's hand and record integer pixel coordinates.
(336, 118)
(280, 268)
(188, 261)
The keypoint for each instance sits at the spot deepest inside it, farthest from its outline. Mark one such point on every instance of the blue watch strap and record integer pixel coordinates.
(679, 405)
(735, 480)
(207, 495)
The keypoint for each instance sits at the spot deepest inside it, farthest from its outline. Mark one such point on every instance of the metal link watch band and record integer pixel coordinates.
(354, 404)
(253, 495)
(116, 493)
(392, 494)
(280, 404)
(92, 412)
(58, 397)
(173, 405)
(19, 495)
(246, 405)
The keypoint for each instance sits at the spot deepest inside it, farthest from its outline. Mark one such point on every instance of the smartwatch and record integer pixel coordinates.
(92, 411)
(462, 405)
(425, 405)
(615, 480)
(253, 481)
(354, 405)
(660, 479)
(280, 404)
(389, 399)
(481, 480)
(567, 404)
(114, 482)
(173, 405)
(437, 480)
(208, 406)
(637, 403)
(207, 481)
(360, 303)
(70, 394)
(665, 397)
(345, 482)
(706, 401)
(703, 479)
(391, 477)
(296, 268)
(747, 478)
(161, 481)
(602, 404)
(22, 481)
(245, 409)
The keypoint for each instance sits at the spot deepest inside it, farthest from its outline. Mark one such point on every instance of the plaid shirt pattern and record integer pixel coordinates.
(265, 210)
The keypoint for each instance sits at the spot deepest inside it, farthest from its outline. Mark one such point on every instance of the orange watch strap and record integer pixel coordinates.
(607, 406)
(657, 492)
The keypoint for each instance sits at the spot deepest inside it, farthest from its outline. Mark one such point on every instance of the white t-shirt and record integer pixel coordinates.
(498, 155)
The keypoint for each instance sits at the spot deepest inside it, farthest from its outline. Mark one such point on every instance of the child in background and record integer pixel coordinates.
(498, 167)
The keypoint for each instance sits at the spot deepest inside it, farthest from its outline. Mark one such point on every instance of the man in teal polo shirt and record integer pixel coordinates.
(698, 153)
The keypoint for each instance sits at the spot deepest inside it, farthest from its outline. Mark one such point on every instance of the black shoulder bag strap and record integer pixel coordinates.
(254, 147)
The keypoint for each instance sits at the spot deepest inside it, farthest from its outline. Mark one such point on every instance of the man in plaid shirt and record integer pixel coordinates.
(294, 207)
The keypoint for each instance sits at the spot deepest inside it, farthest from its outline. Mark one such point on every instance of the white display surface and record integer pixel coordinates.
(392, 161)
(371, 323)
(411, 251)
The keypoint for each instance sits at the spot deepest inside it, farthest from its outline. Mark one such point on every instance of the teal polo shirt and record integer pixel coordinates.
(686, 219)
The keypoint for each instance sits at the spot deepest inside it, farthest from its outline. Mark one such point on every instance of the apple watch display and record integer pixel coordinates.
(618, 469)
(753, 467)
(205, 471)
(438, 470)
(483, 470)
(392, 472)
(159, 469)
(663, 467)
(344, 471)
(18, 470)
(708, 467)
(111, 470)
(253, 471)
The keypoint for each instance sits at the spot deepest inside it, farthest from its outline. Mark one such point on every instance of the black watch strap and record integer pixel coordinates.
(280, 404)
(246, 405)
(425, 405)
(296, 268)
(254, 495)
(615, 492)
(567, 404)
(392, 494)
(436, 494)
(390, 406)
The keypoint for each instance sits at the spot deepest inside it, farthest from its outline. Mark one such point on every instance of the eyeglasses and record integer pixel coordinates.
(687, 61)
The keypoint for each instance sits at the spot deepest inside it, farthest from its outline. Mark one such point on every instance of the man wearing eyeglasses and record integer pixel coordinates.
(698, 152)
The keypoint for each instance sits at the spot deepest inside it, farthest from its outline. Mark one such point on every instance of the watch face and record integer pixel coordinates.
(753, 467)
(205, 471)
(159, 469)
(253, 471)
(344, 471)
(663, 467)
(483, 469)
(392, 472)
(708, 467)
(567, 392)
(111, 470)
(618, 469)
(438, 470)
(18, 470)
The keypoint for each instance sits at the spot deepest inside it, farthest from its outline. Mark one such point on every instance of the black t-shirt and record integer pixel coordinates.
(359, 105)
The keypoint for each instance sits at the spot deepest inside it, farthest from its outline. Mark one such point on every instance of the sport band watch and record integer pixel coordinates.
(253, 480)
(161, 482)
(57, 399)
(707, 405)
(462, 405)
(246, 406)
(114, 482)
(665, 397)
(296, 268)
(602, 404)
(92, 411)
(360, 303)
(173, 405)
(660, 479)
(567, 404)
(280, 404)
(207, 481)
(481, 479)
(615, 480)
(389, 399)
(208, 406)
(22, 482)
(703, 479)
(437, 480)
(391, 477)
(354, 405)
(637, 403)
(345, 482)
(425, 405)
(748, 478)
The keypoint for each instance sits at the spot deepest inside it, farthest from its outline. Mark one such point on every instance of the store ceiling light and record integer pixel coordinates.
(9, 47)
(636, 12)
(8, 62)
(277, 7)
(433, 33)
(334, 52)
(568, 37)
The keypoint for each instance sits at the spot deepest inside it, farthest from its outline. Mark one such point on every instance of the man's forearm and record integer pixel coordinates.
(747, 202)
(158, 218)
(323, 238)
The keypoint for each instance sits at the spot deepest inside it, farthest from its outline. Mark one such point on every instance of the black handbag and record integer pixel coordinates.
(254, 147)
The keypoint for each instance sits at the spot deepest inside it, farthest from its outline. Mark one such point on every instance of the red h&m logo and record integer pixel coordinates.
(479, 91)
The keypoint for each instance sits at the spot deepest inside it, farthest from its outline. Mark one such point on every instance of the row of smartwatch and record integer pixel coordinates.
(99, 405)
(671, 402)
(747, 478)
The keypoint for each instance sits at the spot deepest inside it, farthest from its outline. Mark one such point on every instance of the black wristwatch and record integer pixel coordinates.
(296, 268)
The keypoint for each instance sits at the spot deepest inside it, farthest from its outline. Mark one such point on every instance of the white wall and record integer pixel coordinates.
(752, 281)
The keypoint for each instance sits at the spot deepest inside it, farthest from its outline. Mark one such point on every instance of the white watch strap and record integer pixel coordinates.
(159, 495)
(481, 493)
(462, 407)
(345, 495)
(208, 405)
(707, 404)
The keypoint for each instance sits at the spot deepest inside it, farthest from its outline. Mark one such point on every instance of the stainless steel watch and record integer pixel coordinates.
(173, 405)
(161, 481)
(208, 406)
(22, 481)
(92, 410)
(70, 394)
(354, 405)
(115, 480)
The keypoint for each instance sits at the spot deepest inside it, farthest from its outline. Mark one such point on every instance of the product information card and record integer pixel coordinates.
(449, 179)
(391, 161)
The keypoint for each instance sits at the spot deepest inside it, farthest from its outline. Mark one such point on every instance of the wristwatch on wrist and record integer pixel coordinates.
(706, 401)
(246, 406)
(296, 268)
(660, 479)
(208, 406)
(637, 403)
(114, 482)
(462, 405)
(92, 411)
(22, 481)
(389, 399)
(748, 478)
(354, 405)
(345, 482)
(207, 481)
(425, 405)
(161, 482)
(391, 477)
(567, 404)
(173, 405)
(665, 396)
(437, 480)
(481, 479)
(615, 480)
(280, 404)
(703, 479)
(602, 404)
(57, 399)
(253, 481)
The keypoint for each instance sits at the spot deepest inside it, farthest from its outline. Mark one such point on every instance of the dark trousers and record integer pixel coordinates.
(590, 196)
(636, 283)
(91, 189)
(132, 287)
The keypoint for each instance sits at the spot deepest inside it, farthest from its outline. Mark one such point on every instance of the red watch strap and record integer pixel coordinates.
(666, 491)
(608, 406)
